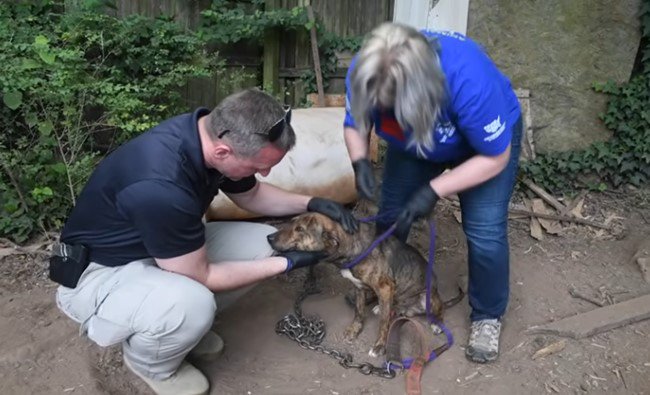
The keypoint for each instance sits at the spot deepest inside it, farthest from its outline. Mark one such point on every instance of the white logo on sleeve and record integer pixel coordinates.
(494, 129)
(446, 130)
(452, 34)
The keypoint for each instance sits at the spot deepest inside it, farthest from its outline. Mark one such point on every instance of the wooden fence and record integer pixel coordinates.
(289, 53)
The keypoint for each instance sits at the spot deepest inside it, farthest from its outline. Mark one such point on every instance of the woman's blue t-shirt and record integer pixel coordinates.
(481, 107)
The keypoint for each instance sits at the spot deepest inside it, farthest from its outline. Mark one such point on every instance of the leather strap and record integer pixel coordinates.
(414, 375)
(393, 354)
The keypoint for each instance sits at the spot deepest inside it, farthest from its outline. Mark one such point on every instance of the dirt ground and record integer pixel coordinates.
(42, 353)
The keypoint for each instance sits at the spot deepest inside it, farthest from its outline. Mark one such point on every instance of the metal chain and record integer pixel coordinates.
(309, 332)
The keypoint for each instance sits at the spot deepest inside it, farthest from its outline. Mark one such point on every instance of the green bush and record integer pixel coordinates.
(228, 22)
(75, 85)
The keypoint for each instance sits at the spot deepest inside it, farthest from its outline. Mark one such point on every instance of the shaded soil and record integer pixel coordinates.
(41, 352)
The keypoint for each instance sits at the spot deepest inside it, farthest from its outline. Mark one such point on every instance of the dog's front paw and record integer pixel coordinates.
(352, 331)
(377, 351)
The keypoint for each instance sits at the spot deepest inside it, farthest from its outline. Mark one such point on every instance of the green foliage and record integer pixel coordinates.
(625, 158)
(74, 85)
(227, 22)
(330, 45)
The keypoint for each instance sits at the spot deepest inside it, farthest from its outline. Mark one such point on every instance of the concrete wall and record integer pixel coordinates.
(558, 49)
(436, 14)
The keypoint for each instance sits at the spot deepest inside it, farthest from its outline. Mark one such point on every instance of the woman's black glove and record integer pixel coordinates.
(297, 259)
(421, 204)
(364, 178)
(335, 211)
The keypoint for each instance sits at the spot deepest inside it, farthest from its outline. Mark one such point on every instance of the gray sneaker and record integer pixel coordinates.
(187, 380)
(484, 341)
(209, 348)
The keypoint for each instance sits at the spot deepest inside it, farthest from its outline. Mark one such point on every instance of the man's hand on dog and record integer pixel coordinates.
(421, 204)
(364, 178)
(335, 211)
(297, 259)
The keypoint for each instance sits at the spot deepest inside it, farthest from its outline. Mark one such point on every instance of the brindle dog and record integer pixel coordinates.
(394, 271)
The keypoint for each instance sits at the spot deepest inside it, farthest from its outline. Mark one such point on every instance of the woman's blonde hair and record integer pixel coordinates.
(397, 67)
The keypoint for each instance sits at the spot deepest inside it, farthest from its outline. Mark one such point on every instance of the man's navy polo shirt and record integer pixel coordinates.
(148, 197)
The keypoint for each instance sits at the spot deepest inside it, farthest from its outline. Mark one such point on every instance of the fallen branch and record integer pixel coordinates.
(619, 374)
(574, 202)
(550, 349)
(544, 195)
(547, 216)
(560, 218)
(15, 249)
(576, 294)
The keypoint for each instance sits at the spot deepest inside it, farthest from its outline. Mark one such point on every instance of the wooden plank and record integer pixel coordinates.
(302, 60)
(271, 56)
(527, 142)
(599, 320)
(316, 57)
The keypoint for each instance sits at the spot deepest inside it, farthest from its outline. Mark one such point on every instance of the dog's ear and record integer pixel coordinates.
(330, 238)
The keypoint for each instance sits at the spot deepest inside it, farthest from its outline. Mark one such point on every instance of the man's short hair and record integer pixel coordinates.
(244, 119)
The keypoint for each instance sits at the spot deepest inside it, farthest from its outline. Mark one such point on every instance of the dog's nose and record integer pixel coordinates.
(271, 237)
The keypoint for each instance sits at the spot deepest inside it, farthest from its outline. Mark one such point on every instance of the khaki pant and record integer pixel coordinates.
(159, 316)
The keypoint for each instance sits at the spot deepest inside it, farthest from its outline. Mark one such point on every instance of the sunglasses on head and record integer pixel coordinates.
(274, 131)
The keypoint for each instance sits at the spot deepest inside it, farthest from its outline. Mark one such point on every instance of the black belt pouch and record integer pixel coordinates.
(68, 263)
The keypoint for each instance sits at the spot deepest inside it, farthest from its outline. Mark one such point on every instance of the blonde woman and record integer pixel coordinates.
(441, 103)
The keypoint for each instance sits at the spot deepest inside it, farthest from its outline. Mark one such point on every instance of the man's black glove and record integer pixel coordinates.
(364, 178)
(335, 211)
(297, 259)
(421, 204)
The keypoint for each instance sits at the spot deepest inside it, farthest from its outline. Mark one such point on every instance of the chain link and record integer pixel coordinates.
(309, 332)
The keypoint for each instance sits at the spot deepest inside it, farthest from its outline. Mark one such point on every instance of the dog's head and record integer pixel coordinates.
(308, 232)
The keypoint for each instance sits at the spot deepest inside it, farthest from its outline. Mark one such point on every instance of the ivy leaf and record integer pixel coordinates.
(627, 165)
(47, 57)
(637, 179)
(45, 127)
(11, 207)
(41, 41)
(13, 99)
(574, 166)
(58, 168)
(31, 119)
(646, 157)
(29, 64)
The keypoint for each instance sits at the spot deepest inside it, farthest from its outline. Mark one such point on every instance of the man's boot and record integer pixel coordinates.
(208, 349)
(187, 380)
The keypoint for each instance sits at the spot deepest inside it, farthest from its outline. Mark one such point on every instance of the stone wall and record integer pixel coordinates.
(558, 49)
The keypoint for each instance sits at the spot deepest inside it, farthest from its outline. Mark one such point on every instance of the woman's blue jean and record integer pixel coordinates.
(484, 215)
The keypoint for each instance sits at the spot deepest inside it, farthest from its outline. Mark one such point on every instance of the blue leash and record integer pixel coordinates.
(376, 242)
(368, 250)
(407, 362)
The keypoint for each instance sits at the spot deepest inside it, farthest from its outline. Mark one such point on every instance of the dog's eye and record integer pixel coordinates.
(300, 228)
